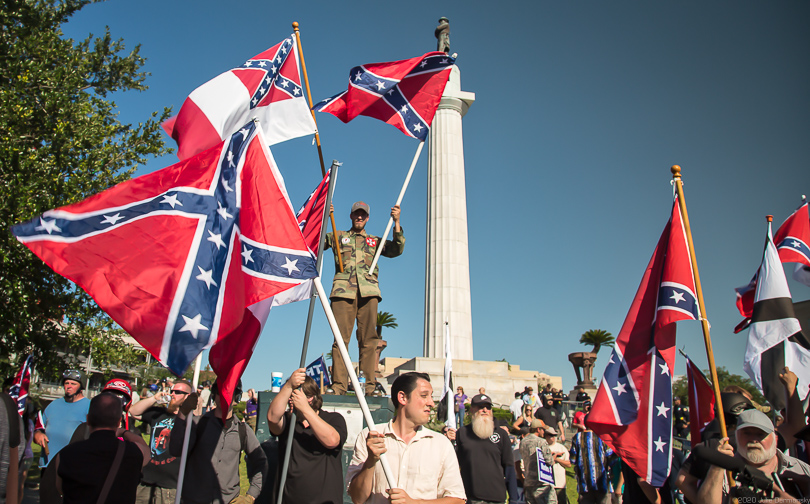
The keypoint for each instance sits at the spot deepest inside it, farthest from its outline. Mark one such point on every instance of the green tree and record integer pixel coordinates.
(385, 319)
(597, 338)
(725, 378)
(61, 142)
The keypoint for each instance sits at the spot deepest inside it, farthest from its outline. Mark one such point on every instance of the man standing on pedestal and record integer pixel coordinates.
(356, 291)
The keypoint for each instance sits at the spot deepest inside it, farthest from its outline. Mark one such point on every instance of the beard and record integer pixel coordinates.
(483, 426)
(756, 454)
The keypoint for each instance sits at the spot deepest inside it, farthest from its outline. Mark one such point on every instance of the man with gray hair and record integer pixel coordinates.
(483, 454)
(756, 446)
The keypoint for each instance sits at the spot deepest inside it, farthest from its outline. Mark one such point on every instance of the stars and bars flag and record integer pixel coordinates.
(701, 401)
(632, 408)
(230, 356)
(22, 381)
(404, 93)
(266, 87)
(775, 338)
(792, 242)
(175, 256)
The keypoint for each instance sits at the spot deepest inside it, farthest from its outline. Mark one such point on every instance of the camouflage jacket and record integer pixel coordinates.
(357, 251)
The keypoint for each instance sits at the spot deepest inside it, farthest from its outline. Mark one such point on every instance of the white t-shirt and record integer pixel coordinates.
(516, 408)
(558, 469)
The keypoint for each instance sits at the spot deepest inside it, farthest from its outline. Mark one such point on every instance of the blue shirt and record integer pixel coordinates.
(590, 457)
(61, 418)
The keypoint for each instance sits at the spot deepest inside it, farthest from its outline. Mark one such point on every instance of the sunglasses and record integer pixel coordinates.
(485, 406)
(179, 392)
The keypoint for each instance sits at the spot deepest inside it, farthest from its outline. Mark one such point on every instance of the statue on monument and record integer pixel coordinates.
(443, 35)
(584, 361)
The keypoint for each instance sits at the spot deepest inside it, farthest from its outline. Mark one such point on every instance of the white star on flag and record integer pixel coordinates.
(659, 445)
(49, 226)
(285, 84)
(248, 63)
(423, 64)
(677, 296)
(230, 165)
(380, 85)
(244, 132)
(662, 410)
(404, 109)
(290, 265)
(193, 325)
(223, 212)
(664, 369)
(112, 219)
(262, 64)
(216, 239)
(357, 77)
(171, 200)
(417, 127)
(796, 244)
(246, 254)
(226, 186)
(206, 276)
(620, 388)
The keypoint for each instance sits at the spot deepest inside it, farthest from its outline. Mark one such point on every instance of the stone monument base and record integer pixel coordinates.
(500, 379)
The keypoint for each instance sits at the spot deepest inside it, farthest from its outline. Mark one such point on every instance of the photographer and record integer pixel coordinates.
(756, 447)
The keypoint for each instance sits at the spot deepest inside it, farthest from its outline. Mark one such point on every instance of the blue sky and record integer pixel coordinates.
(581, 108)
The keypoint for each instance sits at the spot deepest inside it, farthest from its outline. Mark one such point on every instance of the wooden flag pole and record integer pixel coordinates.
(187, 433)
(704, 320)
(317, 136)
(399, 201)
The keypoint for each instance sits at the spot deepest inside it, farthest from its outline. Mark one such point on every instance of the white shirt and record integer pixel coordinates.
(558, 469)
(516, 408)
(426, 468)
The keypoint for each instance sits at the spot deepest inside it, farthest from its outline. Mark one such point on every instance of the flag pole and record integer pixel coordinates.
(317, 133)
(344, 354)
(187, 435)
(285, 466)
(704, 321)
(399, 201)
(449, 356)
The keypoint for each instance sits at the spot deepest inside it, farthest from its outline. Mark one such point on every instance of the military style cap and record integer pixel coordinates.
(360, 205)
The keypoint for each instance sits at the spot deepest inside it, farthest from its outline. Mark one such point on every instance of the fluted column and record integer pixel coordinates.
(447, 282)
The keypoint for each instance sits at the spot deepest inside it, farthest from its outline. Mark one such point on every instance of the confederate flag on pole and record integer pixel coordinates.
(792, 241)
(230, 356)
(701, 401)
(266, 87)
(176, 256)
(632, 411)
(405, 93)
(19, 388)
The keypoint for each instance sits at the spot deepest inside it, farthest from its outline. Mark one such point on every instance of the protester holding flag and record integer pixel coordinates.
(532, 447)
(356, 292)
(317, 442)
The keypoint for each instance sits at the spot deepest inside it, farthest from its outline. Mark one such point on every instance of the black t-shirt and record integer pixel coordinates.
(162, 470)
(558, 398)
(482, 462)
(548, 416)
(84, 467)
(315, 474)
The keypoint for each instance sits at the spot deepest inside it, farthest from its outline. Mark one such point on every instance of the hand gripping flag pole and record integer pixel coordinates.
(187, 435)
(399, 200)
(317, 142)
(344, 354)
(288, 449)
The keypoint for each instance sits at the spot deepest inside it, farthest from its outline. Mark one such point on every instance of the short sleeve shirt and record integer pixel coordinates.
(162, 470)
(426, 468)
(482, 462)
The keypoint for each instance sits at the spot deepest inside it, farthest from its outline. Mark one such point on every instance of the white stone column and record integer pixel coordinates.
(447, 280)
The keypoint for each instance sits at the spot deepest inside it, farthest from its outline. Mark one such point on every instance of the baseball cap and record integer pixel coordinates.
(481, 399)
(360, 205)
(550, 431)
(754, 418)
(536, 424)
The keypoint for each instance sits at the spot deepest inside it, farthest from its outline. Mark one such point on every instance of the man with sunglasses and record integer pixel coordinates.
(62, 416)
(356, 292)
(159, 481)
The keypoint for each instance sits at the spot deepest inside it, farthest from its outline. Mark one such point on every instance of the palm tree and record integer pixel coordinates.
(385, 319)
(597, 338)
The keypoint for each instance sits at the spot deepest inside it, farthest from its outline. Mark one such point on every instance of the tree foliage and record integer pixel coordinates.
(61, 142)
(725, 378)
(385, 319)
(597, 338)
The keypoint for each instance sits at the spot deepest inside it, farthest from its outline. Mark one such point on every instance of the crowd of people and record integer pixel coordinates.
(92, 450)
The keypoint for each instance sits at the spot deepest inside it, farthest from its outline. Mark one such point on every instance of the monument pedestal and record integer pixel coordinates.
(500, 379)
